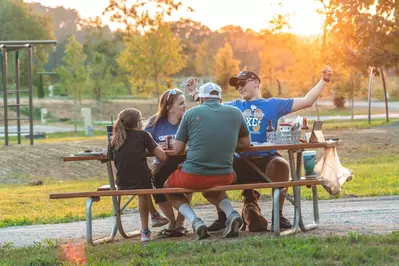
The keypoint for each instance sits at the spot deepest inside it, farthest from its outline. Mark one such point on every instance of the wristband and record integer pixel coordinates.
(326, 79)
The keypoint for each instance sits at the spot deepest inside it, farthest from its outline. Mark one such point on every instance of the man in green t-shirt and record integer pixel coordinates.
(213, 132)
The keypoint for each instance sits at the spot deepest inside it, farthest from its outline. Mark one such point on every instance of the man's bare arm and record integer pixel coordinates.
(178, 146)
(244, 142)
(312, 96)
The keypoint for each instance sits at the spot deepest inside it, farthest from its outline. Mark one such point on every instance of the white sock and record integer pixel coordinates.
(225, 205)
(187, 212)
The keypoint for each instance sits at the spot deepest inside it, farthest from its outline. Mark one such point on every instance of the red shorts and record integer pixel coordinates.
(180, 179)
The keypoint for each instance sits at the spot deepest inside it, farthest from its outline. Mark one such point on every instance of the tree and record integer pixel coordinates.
(102, 53)
(134, 15)
(74, 74)
(19, 22)
(276, 58)
(361, 34)
(204, 61)
(226, 66)
(151, 59)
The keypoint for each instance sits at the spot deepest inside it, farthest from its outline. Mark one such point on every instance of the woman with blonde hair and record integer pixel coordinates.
(127, 151)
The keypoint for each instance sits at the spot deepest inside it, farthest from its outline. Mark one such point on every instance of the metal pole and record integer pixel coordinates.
(30, 94)
(17, 86)
(29, 42)
(369, 94)
(352, 96)
(5, 100)
(385, 93)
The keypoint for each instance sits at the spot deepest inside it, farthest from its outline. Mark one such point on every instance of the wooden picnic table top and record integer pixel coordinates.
(93, 156)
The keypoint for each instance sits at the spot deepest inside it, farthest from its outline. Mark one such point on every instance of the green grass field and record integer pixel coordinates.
(354, 249)
(25, 205)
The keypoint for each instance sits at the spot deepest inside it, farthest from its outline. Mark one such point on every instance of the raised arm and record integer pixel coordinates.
(191, 85)
(312, 96)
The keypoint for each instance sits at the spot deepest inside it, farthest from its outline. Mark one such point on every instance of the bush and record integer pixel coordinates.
(339, 101)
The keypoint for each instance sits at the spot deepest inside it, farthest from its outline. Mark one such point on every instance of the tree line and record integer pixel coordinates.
(149, 52)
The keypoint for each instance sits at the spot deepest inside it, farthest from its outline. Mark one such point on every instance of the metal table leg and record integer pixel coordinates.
(116, 202)
(302, 225)
(276, 216)
(89, 224)
(297, 197)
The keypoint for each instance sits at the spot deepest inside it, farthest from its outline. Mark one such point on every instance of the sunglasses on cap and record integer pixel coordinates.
(173, 92)
(242, 83)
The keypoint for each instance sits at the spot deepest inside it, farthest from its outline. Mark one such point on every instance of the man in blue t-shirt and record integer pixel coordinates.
(257, 111)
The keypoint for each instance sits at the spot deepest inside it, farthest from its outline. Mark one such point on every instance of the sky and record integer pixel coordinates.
(215, 14)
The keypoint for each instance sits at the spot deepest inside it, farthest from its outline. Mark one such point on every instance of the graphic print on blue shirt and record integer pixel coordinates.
(257, 113)
(162, 129)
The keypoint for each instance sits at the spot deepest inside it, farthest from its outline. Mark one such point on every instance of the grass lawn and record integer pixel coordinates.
(353, 249)
(356, 124)
(24, 205)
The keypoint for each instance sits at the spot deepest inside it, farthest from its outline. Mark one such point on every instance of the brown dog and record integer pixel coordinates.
(251, 213)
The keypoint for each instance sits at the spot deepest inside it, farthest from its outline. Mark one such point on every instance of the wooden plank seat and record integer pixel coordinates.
(104, 191)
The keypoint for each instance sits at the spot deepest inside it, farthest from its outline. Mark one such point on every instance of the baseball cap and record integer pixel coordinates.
(243, 75)
(206, 89)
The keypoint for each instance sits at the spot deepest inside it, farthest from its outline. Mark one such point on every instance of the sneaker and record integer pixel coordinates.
(200, 229)
(233, 225)
(284, 223)
(158, 220)
(145, 235)
(219, 223)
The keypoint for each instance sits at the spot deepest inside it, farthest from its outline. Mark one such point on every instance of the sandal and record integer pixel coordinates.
(182, 230)
(165, 233)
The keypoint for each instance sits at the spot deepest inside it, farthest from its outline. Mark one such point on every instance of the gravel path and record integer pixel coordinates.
(374, 215)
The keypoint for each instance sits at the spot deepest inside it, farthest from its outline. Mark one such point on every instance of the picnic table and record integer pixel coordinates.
(296, 182)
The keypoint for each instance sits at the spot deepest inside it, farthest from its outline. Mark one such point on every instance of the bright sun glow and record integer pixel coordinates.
(215, 14)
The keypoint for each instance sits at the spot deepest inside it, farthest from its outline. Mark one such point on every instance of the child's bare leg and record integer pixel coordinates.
(144, 210)
(151, 208)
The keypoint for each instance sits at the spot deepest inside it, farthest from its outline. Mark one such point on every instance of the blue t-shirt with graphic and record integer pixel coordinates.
(161, 129)
(257, 113)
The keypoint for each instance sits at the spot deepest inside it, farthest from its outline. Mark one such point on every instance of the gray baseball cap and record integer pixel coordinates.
(206, 89)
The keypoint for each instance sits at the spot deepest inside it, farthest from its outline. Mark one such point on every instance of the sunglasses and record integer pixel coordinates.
(173, 92)
(242, 83)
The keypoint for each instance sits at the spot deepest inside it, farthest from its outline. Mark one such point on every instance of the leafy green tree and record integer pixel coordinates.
(226, 66)
(19, 22)
(74, 74)
(151, 59)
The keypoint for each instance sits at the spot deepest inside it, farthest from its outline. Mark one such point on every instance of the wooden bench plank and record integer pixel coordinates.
(183, 190)
(108, 187)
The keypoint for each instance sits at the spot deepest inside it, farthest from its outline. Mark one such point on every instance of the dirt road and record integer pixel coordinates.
(377, 215)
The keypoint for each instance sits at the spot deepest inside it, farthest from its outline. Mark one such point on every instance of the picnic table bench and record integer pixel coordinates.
(296, 181)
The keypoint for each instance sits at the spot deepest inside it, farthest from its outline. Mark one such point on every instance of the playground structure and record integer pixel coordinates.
(17, 46)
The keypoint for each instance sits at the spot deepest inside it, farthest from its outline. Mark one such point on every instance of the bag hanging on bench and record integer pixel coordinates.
(329, 169)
